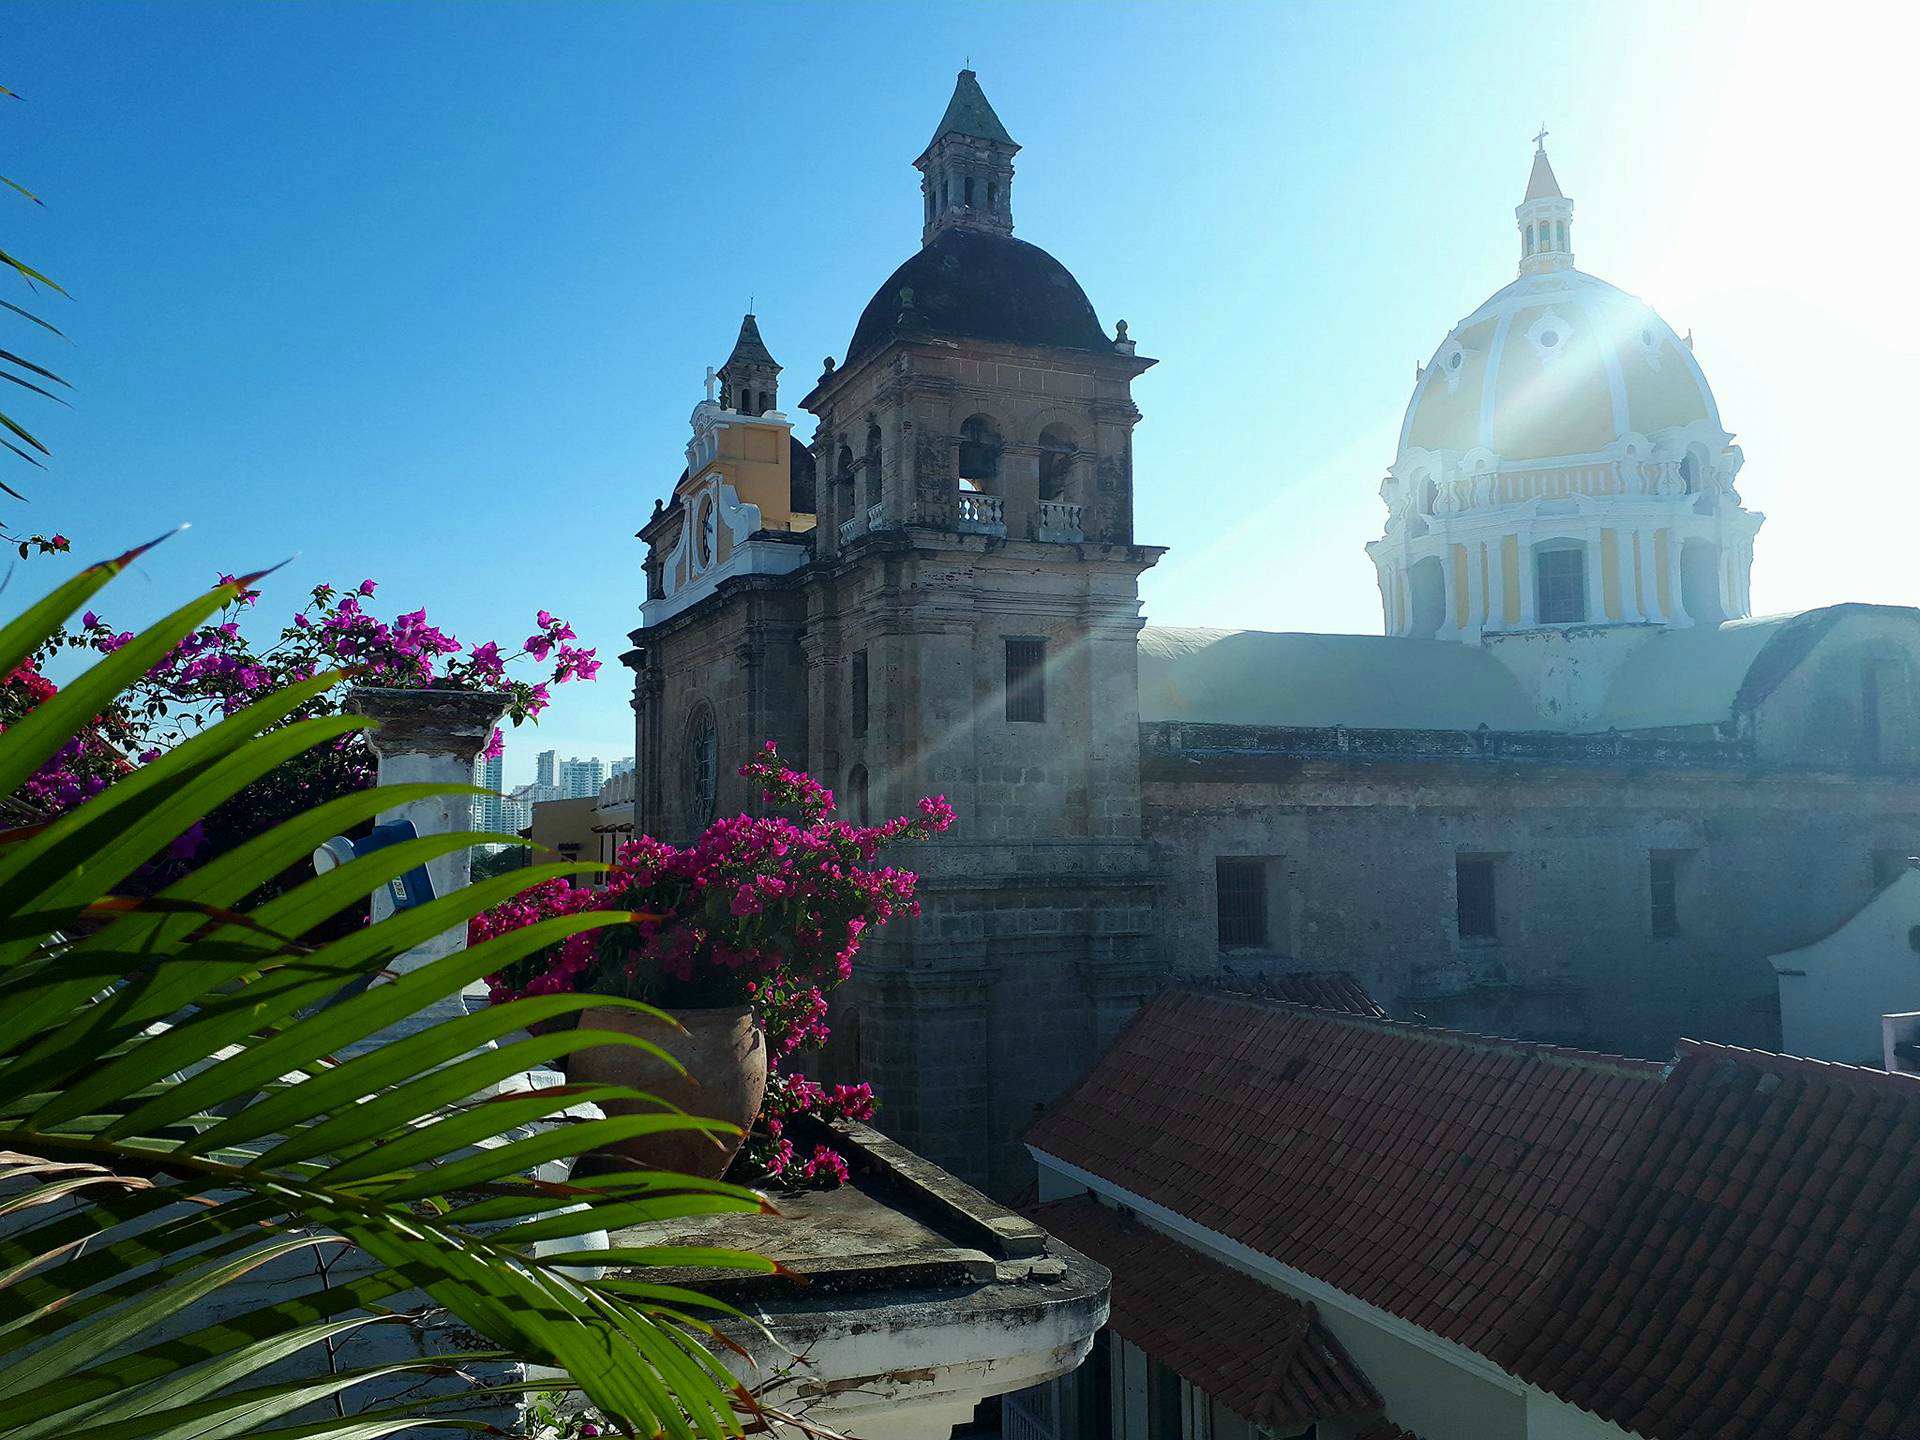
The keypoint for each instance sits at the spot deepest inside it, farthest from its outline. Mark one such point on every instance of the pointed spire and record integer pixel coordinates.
(1545, 216)
(966, 171)
(969, 113)
(750, 380)
(749, 348)
(1541, 184)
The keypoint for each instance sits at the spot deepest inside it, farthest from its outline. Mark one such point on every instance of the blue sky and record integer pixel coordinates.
(425, 292)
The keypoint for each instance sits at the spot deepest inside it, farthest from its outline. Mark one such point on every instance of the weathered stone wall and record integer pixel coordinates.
(1361, 851)
(733, 659)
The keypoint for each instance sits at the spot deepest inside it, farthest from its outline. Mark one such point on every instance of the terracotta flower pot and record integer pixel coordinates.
(726, 1059)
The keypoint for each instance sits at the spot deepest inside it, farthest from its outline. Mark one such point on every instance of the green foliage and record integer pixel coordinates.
(500, 860)
(176, 1125)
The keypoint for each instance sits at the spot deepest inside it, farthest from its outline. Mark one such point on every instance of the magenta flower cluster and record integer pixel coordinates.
(765, 910)
(220, 668)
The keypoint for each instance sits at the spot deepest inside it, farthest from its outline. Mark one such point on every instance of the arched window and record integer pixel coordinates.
(1057, 449)
(1559, 234)
(873, 465)
(857, 794)
(979, 452)
(1689, 472)
(993, 197)
(1526, 237)
(943, 192)
(967, 200)
(1428, 587)
(843, 480)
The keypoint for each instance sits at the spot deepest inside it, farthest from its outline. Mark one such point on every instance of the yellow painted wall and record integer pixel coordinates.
(756, 460)
(1661, 540)
(1510, 577)
(1610, 572)
(1460, 596)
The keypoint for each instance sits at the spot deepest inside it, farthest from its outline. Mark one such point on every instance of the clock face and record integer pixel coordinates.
(707, 535)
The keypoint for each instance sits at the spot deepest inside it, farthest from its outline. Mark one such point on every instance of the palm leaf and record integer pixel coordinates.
(174, 1125)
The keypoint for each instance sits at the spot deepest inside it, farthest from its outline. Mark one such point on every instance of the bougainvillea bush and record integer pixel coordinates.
(220, 668)
(766, 911)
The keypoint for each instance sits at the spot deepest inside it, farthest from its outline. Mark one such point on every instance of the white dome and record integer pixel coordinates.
(1561, 463)
(1559, 367)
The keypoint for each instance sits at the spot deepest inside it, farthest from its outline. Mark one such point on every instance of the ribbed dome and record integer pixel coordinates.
(978, 286)
(1556, 366)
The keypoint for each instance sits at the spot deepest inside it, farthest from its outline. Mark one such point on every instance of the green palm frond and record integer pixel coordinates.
(209, 1214)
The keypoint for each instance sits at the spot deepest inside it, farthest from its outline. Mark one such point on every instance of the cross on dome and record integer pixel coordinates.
(1540, 140)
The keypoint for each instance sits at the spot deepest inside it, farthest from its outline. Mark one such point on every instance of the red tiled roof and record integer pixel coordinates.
(1759, 1275)
(1322, 989)
(1439, 1176)
(1256, 1349)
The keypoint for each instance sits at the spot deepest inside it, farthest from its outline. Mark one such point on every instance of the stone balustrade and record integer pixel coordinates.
(980, 514)
(1058, 521)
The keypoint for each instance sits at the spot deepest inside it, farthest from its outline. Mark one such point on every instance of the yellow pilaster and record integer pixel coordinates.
(1610, 572)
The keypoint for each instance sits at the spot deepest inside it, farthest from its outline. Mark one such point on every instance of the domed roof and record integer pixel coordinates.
(1556, 366)
(971, 284)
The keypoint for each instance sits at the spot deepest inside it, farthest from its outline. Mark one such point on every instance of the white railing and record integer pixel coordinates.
(873, 516)
(848, 529)
(981, 512)
(1058, 520)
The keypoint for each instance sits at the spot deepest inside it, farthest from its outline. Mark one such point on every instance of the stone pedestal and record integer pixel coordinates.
(430, 736)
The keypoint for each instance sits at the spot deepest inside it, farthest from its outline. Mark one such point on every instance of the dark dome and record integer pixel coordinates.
(983, 287)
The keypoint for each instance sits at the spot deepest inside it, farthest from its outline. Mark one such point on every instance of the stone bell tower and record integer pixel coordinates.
(971, 629)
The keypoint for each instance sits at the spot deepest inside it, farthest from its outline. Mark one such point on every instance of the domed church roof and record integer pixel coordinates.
(1556, 365)
(976, 285)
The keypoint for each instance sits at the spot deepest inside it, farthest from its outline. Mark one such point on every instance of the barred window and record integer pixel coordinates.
(1560, 586)
(1026, 678)
(859, 680)
(1474, 897)
(1240, 889)
(1663, 889)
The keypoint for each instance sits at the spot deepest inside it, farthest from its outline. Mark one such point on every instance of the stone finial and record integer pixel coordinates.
(1122, 341)
(826, 367)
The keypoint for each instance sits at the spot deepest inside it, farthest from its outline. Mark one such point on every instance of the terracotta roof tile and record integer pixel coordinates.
(1384, 1147)
(1766, 1232)
(1256, 1349)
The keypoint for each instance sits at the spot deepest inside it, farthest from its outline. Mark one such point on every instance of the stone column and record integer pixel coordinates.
(1529, 593)
(429, 736)
(1596, 579)
(1677, 606)
(1497, 583)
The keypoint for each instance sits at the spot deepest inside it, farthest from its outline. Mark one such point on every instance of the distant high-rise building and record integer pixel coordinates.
(579, 778)
(622, 766)
(489, 773)
(543, 767)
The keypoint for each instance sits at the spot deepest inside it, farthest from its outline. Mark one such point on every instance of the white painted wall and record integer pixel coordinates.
(1834, 991)
(1550, 1418)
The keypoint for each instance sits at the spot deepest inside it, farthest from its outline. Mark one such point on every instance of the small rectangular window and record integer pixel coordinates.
(1026, 678)
(1663, 890)
(859, 683)
(1560, 585)
(1240, 901)
(1474, 897)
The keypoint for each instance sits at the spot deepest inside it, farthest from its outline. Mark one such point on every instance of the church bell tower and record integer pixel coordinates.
(971, 630)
